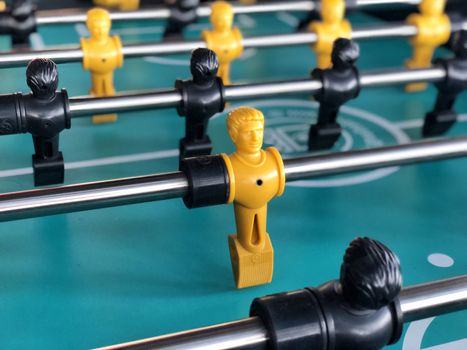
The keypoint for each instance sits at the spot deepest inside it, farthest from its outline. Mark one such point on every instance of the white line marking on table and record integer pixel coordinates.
(37, 42)
(288, 19)
(101, 162)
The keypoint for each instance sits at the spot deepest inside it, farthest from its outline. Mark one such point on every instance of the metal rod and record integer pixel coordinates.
(443, 296)
(72, 16)
(74, 54)
(93, 195)
(344, 162)
(432, 299)
(88, 196)
(248, 333)
(85, 106)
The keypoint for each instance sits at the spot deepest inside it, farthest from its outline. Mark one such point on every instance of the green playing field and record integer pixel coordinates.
(100, 277)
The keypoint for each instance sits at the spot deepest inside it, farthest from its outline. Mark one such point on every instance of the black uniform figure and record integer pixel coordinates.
(202, 97)
(182, 13)
(340, 84)
(19, 21)
(361, 310)
(441, 119)
(44, 113)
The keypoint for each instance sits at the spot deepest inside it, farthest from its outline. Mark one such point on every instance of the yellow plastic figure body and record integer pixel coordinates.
(224, 39)
(2, 6)
(434, 29)
(122, 5)
(329, 29)
(102, 54)
(256, 176)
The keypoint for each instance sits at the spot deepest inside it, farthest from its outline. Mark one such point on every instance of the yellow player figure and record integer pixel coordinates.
(256, 176)
(122, 5)
(102, 54)
(2, 6)
(329, 29)
(224, 39)
(434, 29)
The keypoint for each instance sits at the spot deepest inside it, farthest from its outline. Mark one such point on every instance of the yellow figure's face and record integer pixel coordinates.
(222, 16)
(99, 29)
(432, 7)
(332, 11)
(98, 23)
(222, 21)
(249, 138)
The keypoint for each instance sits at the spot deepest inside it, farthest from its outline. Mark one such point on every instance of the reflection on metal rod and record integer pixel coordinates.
(74, 54)
(432, 299)
(245, 334)
(72, 16)
(344, 162)
(50, 201)
(85, 106)
(441, 297)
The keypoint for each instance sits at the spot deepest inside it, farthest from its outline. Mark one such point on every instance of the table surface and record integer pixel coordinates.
(100, 277)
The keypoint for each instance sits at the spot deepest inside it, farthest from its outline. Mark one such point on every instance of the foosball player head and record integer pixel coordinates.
(443, 117)
(47, 113)
(182, 14)
(19, 21)
(340, 84)
(202, 98)
(257, 176)
(361, 310)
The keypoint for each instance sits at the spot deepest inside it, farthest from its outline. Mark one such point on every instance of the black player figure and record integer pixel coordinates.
(19, 21)
(361, 310)
(202, 98)
(443, 117)
(44, 113)
(340, 84)
(182, 14)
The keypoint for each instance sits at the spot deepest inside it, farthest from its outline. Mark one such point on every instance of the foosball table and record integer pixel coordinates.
(190, 159)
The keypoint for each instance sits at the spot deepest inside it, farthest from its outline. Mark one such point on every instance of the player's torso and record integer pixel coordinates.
(102, 57)
(255, 185)
(432, 30)
(328, 33)
(227, 46)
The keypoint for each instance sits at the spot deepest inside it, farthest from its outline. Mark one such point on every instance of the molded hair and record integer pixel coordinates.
(42, 77)
(345, 53)
(370, 274)
(241, 115)
(204, 65)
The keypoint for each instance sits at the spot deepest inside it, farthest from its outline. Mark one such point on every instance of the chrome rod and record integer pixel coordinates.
(88, 196)
(85, 106)
(93, 195)
(432, 299)
(48, 17)
(248, 333)
(72, 16)
(443, 296)
(344, 162)
(74, 54)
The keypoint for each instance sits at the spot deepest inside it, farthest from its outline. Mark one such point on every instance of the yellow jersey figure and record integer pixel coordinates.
(224, 39)
(102, 54)
(2, 6)
(256, 176)
(332, 27)
(434, 29)
(122, 5)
